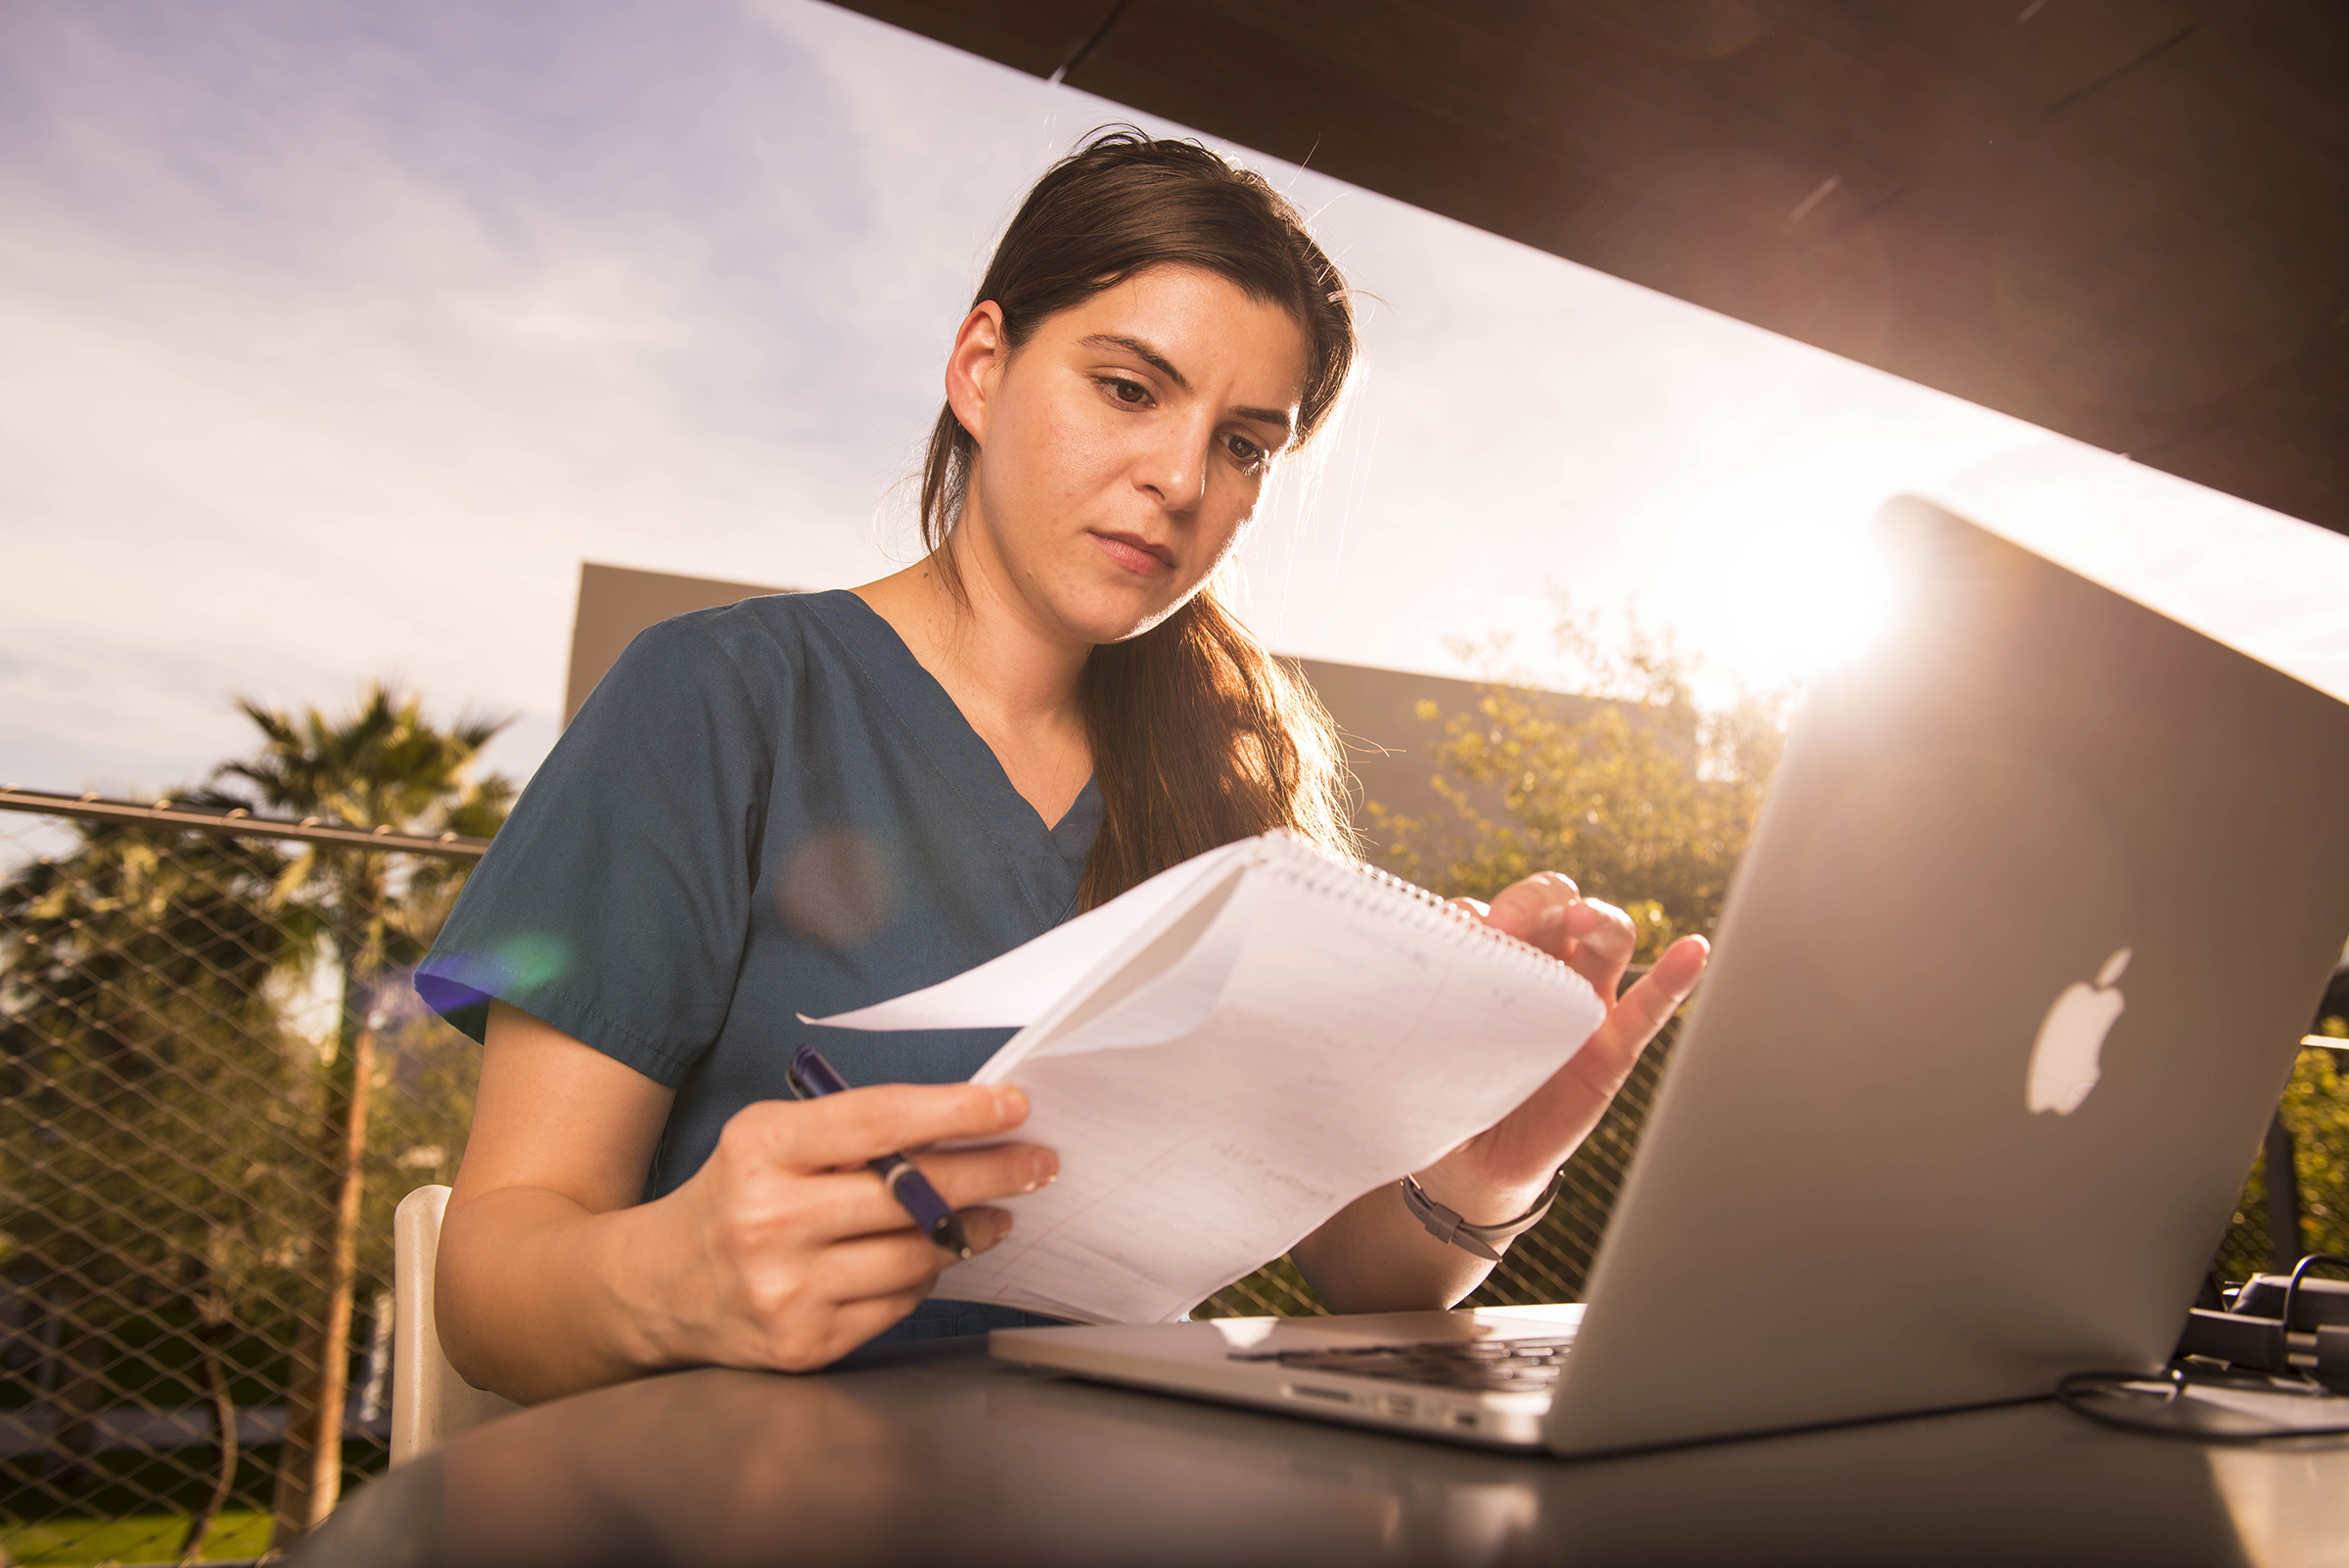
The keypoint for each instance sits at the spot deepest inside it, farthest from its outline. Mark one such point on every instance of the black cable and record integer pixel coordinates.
(2291, 1286)
(2073, 1391)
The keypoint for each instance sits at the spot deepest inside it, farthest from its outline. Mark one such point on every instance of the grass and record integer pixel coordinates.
(141, 1538)
(138, 1507)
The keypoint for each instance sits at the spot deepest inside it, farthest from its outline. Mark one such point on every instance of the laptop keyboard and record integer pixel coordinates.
(1487, 1366)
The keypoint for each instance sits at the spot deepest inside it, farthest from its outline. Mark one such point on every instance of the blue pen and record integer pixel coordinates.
(812, 1078)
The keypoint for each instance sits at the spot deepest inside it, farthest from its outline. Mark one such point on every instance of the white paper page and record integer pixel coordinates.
(1340, 1041)
(1016, 988)
(1158, 984)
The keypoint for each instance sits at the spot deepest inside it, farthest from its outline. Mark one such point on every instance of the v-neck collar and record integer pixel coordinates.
(962, 754)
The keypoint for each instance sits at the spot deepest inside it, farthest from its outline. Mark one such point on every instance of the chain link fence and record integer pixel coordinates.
(212, 1095)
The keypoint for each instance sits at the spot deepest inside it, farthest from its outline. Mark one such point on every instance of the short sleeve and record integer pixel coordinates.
(615, 904)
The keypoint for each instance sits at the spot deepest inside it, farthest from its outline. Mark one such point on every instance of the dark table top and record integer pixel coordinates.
(935, 1454)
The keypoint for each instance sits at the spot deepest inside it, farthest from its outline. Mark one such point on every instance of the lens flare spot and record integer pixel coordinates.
(836, 889)
(530, 961)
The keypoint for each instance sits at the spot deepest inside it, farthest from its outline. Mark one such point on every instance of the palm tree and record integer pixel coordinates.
(380, 766)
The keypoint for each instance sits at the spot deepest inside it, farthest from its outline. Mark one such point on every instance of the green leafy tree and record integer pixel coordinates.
(1643, 797)
(380, 766)
(2316, 1112)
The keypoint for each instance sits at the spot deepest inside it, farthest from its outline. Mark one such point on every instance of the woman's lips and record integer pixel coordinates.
(1135, 554)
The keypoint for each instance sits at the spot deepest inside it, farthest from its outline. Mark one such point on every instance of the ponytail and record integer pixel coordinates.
(1201, 737)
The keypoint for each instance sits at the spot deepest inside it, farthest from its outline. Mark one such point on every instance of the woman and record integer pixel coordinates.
(805, 804)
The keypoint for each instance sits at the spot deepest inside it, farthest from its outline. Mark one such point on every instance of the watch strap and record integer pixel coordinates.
(1485, 1241)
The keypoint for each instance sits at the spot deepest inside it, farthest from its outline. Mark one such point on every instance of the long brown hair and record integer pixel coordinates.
(1199, 736)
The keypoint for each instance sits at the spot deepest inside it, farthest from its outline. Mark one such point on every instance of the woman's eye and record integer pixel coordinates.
(1126, 391)
(1246, 453)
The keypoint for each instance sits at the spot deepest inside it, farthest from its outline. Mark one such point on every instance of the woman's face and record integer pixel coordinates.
(1123, 447)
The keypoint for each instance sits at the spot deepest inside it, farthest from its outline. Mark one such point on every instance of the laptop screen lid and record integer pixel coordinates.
(2008, 986)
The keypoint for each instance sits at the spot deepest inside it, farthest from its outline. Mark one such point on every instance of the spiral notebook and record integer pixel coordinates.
(1230, 1053)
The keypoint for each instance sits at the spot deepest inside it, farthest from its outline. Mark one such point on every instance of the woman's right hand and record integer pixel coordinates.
(784, 1252)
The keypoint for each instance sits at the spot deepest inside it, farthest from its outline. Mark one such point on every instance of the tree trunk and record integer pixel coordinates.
(77, 1387)
(309, 1468)
(209, 1338)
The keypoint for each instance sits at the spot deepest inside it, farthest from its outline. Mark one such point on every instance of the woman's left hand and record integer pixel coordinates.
(1501, 1172)
(1373, 1256)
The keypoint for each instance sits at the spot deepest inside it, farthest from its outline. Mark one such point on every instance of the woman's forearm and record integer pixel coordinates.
(1373, 1257)
(544, 1237)
(535, 1296)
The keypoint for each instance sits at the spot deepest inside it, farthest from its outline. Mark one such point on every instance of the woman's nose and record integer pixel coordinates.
(1174, 470)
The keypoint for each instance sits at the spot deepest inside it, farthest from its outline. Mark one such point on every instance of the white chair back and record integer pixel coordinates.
(430, 1403)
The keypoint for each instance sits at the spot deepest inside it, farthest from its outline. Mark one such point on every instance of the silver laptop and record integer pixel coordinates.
(2042, 899)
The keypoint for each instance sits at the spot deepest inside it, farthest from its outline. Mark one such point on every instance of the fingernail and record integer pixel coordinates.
(1042, 1167)
(1011, 1106)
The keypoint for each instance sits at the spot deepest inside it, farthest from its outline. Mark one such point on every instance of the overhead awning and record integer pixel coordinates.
(2125, 220)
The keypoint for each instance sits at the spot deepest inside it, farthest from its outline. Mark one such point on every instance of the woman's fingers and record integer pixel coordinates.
(1549, 912)
(792, 1226)
(1533, 909)
(1642, 1014)
(838, 1205)
(892, 1264)
(1680, 967)
(1601, 939)
(965, 1176)
(1531, 1140)
(864, 1124)
(867, 1284)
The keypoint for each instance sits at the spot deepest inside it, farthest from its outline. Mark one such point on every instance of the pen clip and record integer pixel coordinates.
(810, 1076)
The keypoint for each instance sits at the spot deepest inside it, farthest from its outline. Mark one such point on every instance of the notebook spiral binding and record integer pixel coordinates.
(1299, 858)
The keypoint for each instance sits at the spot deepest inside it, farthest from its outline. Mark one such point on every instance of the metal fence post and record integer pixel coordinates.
(2284, 1248)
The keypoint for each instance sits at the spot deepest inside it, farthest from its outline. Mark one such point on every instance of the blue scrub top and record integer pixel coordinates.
(763, 810)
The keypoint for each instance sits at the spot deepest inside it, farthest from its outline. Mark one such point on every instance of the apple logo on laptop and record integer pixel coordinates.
(2063, 1059)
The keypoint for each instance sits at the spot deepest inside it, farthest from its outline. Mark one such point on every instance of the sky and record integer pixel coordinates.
(339, 335)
